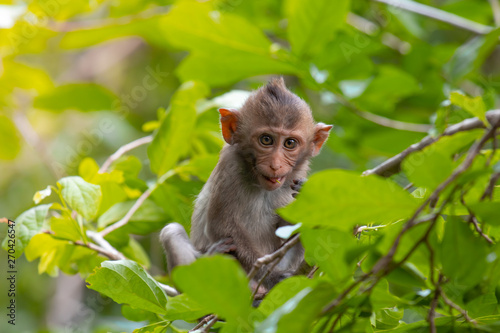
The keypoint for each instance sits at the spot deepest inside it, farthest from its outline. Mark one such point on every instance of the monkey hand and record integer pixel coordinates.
(225, 245)
(297, 186)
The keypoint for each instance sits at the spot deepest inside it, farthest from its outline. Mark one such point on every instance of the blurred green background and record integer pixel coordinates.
(82, 78)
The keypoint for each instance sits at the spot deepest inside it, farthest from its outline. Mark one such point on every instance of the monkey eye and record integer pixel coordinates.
(266, 140)
(290, 143)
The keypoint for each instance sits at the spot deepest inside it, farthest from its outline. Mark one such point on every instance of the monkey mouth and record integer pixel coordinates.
(274, 180)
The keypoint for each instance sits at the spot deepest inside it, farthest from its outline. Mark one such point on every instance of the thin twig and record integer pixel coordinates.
(130, 213)
(493, 150)
(123, 150)
(488, 193)
(109, 254)
(439, 15)
(456, 307)
(475, 223)
(202, 322)
(382, 121)
(98, 239)
(269, 269)
(432, 311)
(383, 264)
(392, 165)
(312, 272)
(336, 321)
(495, 7)
(267, 259)
(472, 220)
(211, 323)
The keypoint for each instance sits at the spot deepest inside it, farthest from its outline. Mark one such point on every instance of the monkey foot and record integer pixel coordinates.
(225, 245)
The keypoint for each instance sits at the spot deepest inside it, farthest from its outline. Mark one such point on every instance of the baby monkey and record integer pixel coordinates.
(270, 141)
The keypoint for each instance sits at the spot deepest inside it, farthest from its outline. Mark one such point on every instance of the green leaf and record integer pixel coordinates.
(143, 222)
(137, 314)
(307, 309)
(378, 98)
(312, 24)
(427, 168)
(381, 297)
(225, 47)
(8, 133)
(77, 96)
(283, 292)
(128, 283)
(83, 197)
(475, 106)
(219, 284)
(172, 140)
(462, 254)
(198, 166)
(270, 324)
(487, 211)
(65, 228)
(342, 195)
(27, 225)
(159, 327)
(137, 27)
(183, 308)
(471, 55)
(326, 248)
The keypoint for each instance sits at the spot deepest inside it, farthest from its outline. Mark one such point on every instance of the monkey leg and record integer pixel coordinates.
(177, 246)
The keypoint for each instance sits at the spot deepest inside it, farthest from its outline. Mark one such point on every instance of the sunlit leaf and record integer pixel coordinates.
(77, 96)
(172, 139)
(83, 197)
(128, 283)
(225, 47)
(475, 106)
(26, 226)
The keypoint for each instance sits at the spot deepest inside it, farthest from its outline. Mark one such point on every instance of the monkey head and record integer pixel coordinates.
(275, 133)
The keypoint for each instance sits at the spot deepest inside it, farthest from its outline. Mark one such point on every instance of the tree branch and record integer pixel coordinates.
(456, 307)
(130, 213)
(269, 258)
(495, 7)
(392, 165)
(123, 150)
(439, 15)
(383, 265)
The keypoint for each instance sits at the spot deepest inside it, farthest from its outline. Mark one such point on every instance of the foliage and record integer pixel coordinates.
(424, 254)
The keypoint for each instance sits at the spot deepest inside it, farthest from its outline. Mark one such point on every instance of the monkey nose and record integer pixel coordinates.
(275, 167)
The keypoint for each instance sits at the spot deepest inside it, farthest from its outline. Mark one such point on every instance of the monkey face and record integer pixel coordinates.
(276, 152)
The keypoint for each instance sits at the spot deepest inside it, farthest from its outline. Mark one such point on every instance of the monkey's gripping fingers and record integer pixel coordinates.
(297, 186)
(225, 245)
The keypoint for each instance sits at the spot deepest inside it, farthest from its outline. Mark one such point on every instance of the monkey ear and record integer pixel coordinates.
(321, 132)
(228, 121)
